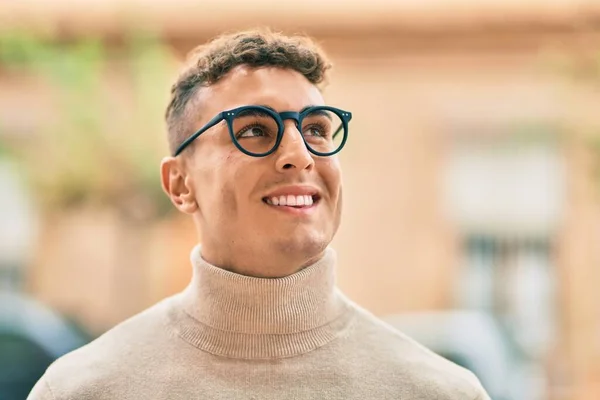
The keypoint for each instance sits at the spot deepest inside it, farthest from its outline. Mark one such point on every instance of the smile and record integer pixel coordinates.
(297, 201)
(294, 198)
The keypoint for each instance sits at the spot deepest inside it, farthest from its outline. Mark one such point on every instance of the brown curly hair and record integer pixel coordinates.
(256, 48)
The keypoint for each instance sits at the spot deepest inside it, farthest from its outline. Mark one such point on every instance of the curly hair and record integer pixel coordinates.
(208, 63)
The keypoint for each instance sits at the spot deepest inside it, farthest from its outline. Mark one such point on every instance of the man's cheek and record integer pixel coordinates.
(227, 199)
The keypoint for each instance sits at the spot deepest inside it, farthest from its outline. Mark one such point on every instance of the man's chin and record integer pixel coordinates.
(301, 246)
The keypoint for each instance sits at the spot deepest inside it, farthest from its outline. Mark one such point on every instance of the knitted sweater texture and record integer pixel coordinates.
(228, 337)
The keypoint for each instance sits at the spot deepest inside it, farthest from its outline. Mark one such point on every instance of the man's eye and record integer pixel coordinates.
(315, 130)
(252, 131)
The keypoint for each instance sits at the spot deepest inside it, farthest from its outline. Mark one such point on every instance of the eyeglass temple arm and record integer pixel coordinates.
(338, 131)
(349, 117)
(218, 118)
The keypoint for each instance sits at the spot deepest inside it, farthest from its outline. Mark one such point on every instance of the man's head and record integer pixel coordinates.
(231, 194)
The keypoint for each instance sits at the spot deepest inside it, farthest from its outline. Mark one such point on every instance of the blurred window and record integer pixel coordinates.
(505, 193)
(514, 279)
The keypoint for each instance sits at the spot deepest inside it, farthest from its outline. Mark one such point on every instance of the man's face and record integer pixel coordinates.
(238, 222)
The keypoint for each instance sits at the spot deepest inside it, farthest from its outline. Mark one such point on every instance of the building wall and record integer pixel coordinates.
(398, 249)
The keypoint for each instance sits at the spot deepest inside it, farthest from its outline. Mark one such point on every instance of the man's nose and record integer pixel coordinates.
(292, 153)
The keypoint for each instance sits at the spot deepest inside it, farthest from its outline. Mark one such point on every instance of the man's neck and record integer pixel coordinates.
(245, 317)
(259, 264)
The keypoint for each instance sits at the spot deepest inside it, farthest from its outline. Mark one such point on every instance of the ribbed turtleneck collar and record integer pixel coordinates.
(239, 316)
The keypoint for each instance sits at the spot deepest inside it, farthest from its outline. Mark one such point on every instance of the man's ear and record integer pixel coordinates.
(176, 185)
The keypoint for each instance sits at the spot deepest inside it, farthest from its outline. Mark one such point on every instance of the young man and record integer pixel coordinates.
(254, 164)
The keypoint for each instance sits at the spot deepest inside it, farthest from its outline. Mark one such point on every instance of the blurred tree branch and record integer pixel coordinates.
(579, 65)
(102, 151)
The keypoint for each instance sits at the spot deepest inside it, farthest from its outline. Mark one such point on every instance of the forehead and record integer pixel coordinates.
(282, 89)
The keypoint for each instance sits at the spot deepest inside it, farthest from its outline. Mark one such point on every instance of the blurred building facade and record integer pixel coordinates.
(470, 174)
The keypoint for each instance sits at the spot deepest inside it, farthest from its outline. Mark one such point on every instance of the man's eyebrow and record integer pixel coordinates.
(318, 112)
(268, 107)
(306, 108)
(272, 109)
(323, 113)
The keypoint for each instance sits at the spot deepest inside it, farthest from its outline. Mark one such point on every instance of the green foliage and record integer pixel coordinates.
(103, 149)
(580, 67)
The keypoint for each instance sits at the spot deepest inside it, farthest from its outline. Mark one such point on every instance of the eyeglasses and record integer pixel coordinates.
(257, 130)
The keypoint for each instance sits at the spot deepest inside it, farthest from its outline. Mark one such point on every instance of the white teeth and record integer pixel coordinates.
(291, 200)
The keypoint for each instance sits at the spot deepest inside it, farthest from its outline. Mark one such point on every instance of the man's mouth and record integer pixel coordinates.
(296, 201)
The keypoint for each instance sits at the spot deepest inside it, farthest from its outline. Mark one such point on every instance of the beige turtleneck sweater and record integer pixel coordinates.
(228, 336)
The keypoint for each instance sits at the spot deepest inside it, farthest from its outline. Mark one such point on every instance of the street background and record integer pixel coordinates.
(471, 176)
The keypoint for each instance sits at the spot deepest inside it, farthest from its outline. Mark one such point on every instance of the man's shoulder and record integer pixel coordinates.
(128, 337)
(113, 355)
(411, 364)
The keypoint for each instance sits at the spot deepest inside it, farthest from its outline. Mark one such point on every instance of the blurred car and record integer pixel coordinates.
(31, 337)
(477, 341)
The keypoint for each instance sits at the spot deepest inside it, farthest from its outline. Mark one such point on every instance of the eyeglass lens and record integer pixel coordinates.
(256, 130)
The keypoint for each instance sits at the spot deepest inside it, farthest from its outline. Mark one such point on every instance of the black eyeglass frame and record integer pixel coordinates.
(230, 115)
